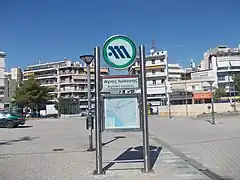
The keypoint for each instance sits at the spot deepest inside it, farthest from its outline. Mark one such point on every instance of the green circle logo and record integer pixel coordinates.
(119, 52)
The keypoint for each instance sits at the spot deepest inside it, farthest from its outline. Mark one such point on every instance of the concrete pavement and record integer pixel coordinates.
(27, 153)
(216, 147)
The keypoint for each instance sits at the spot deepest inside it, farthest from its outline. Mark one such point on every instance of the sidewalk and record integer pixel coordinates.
(34, 159)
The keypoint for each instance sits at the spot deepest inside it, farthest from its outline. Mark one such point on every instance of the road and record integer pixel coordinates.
(216, 147)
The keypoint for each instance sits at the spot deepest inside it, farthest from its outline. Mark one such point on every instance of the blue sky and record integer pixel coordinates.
(54, 29)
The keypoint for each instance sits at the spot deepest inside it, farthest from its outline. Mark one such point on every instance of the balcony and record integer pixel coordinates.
(176, 71)
(46, 76)
(160, 89)
(75, 90)
(75, 82)
(157, 74)
(48, 84)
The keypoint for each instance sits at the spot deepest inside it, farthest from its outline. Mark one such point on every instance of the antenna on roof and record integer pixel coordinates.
(40, 61)
(152, 50)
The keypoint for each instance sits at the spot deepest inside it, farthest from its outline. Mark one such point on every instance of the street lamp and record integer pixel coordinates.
(212, 101)
(88, 59)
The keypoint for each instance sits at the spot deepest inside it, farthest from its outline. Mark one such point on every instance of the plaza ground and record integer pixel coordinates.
(56, 149)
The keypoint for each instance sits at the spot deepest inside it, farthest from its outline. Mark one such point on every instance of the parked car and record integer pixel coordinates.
(10, 120)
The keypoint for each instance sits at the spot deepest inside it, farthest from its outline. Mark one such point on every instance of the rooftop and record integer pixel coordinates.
(2, 53)
(223, 50)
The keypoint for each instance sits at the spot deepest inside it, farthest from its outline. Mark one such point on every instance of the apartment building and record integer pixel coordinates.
(158, 74)
(69, 79)
(225, 63)
(2, 77)
(11, 81)
(193, 90)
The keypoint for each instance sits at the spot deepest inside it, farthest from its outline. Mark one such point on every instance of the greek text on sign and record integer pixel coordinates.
(121, 83)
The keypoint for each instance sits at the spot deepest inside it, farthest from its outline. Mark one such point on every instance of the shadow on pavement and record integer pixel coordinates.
(25, 138)
(24, 127)
(135, 155)
(114, 139)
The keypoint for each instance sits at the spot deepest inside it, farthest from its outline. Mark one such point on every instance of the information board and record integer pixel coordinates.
(121, 113)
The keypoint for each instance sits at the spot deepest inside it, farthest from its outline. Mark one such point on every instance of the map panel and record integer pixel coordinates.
(121, 113)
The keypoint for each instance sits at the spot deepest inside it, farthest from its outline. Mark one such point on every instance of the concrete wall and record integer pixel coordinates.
(196, 109)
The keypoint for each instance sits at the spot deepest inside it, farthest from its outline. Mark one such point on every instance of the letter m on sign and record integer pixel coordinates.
(118, 51)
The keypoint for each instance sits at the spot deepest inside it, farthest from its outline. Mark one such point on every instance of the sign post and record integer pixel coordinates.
(144, 110)
(121, 111)
(98, 134)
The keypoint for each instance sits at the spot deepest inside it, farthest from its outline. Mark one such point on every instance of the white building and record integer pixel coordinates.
(2, 77)
(69, 79)
(158, 74)
(11, 81)
(225, 63)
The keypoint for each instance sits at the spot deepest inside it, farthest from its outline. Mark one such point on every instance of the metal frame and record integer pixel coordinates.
(122, 96)
(143, 116)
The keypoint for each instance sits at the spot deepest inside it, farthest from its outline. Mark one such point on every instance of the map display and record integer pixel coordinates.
(121, 113)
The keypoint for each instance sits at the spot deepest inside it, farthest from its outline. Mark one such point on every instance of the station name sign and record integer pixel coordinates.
(120, 82)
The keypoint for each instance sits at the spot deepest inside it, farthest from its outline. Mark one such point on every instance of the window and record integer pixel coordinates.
(153, 71)
(154, 82)
(162, 70)
(153, 61)
(162, 81)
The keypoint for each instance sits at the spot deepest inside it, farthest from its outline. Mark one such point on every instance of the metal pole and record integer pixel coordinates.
(229, 88)
(58, 93)
(212, 102)
(234, 93)
(144, 110)
(98, 133)
(90, 148)
(186, 93)
(166, 91)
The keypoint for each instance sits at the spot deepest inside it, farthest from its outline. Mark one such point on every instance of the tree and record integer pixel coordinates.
(236, 82)
(67, 106)
(220, 92)
(31, 95)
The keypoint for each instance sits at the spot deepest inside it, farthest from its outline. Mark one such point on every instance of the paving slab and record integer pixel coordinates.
(216, 147)
(27, 153)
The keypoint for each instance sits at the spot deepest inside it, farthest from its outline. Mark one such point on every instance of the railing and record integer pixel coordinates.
(76, 90)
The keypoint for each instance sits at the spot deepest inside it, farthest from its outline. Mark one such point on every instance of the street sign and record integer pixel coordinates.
(120, 82)
(119, 52)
